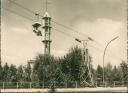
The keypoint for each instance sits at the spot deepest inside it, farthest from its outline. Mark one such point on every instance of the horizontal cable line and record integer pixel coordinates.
(14, 12)
(52, 20)
(97, 49)
(63, 32)
(69, 28)
(22, 6)
(82, 34)
(42, 16)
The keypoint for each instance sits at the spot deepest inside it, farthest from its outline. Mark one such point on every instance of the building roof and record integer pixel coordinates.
(46, 14)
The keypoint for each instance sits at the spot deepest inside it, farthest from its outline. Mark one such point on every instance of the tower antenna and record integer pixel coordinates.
(46, 5)
(47, 31)
(85, 65)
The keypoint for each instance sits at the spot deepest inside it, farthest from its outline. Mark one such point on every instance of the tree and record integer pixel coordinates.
(65, 69)
(116, 73)
(28, 73)
(99, 73)
(124, 68)
(70, 64)
(5, 72)
(12, 73)
(108, 72)
(20, 74)
(1, 72)
(45, 67)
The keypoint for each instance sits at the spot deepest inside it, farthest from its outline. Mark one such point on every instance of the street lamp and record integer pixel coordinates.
(104, 57)
(89, 38)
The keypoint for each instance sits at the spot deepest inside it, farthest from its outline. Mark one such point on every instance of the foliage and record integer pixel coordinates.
(5, 72)
(1, 72)
(99, 73)
(71, 63)
(28, 73)
(12, 73)
(45, 67)
(124, 68)
(20, 75)
(49, 69)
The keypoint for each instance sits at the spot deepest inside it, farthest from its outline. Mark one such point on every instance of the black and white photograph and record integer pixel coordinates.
(64, 46)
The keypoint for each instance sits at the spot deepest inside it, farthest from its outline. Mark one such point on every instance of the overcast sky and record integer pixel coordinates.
(100, 19)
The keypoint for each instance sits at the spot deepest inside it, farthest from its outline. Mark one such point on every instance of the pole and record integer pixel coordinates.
(30, 85)
(104, 58)
(76, 84)
(3, 85)
(17, 85)
(127, 27)
(85, 62)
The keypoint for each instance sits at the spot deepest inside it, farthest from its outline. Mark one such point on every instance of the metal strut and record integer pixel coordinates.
(85, 66)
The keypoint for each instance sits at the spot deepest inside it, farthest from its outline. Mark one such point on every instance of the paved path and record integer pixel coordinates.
(69, 90)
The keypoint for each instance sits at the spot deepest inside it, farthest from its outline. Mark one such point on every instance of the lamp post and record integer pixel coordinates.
(104, 57)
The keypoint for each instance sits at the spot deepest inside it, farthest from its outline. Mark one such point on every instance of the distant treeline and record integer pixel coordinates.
(62, 69)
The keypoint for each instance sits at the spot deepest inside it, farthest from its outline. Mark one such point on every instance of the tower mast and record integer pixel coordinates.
(47, 32)
(46, 28)
(46, 5)
(85, 68)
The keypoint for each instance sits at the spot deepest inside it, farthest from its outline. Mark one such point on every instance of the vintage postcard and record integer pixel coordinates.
(59, 46)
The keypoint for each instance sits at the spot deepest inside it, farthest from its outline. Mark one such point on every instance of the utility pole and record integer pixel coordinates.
(85, 66)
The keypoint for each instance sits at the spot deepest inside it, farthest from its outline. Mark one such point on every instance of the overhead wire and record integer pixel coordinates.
(71, 29)
(63, 32)
(68, 28)
(97, 49)
(71, 36)
(54, 29)
(53, 20)
(14, 12)
(76, 31)
(29, 10)
(82, 34)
